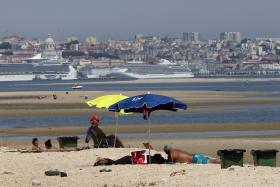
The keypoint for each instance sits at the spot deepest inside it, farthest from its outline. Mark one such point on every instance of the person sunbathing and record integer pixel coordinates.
(174, 156)
(50, 148)
(35, 145)
(155, 159)
(179, 156)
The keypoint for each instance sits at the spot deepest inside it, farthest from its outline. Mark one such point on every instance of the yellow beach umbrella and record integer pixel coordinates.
(104, 102)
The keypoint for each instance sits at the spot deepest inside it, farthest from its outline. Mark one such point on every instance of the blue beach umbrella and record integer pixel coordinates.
(146, 104)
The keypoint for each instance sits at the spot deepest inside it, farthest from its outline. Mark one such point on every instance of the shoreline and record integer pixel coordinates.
(171, 80)
(259, 141)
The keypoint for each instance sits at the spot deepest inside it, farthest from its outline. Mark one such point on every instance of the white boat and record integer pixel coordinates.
(164, 69)
(33, 71)
(15, 77)
(102, 72)
(141, 70)
(78, 87)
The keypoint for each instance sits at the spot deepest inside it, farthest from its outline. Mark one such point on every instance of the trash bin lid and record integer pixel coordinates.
(67, 137)
(263, 151)
(224, 151)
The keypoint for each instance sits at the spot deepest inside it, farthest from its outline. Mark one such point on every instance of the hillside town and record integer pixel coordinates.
(229, 55)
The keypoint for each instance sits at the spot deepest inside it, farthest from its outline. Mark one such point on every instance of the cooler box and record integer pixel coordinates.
(264, 157)
(68, 142)
(231, 157)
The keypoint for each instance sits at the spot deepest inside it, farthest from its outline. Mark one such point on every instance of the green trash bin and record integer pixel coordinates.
(231, 157)
(68, 142)
(264, 157)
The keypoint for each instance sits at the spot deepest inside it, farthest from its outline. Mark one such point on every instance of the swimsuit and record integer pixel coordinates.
(199, 159)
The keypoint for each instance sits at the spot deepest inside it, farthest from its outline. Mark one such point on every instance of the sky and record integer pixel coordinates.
(122, 19)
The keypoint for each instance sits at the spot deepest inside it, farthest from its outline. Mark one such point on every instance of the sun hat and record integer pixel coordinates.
(94, 118)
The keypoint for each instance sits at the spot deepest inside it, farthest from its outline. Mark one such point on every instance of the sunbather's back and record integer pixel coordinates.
(176, 155)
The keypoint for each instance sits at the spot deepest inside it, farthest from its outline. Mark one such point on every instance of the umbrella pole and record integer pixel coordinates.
(149, 139)
(116, 128)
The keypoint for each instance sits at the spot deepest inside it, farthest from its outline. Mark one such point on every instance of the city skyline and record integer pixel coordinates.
(124, 19)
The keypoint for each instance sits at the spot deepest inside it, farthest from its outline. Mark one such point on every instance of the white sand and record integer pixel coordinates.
(26, 167)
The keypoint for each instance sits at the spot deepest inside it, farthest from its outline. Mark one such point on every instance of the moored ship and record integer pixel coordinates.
(142, 70)
(28, 72)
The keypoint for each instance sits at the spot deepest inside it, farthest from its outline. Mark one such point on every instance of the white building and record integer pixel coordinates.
(49, 49)
(191, 36)
(231, 36)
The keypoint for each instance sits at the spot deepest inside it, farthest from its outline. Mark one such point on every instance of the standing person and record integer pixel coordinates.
(98, 135)
(35, 145)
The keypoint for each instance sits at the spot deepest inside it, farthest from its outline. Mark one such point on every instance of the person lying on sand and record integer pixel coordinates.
(155, 159)
(49, 147)
(37, 148)
(35, 145)
(179, 156)
(174, 156)
(97, 134)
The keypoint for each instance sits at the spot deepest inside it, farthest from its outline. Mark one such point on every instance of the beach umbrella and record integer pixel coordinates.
(104, 102)
(146, 104)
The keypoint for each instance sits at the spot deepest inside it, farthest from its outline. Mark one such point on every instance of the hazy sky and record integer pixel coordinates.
(118, 19)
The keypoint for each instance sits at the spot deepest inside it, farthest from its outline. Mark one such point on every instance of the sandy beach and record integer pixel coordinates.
(20, 169)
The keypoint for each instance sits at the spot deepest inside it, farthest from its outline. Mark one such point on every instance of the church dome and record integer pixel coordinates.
(49, 40)
(49, 48)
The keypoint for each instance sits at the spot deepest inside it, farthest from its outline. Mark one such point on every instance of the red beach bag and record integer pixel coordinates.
(139, 157)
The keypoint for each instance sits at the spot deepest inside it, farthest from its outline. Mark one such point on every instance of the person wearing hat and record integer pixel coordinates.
(99, 136)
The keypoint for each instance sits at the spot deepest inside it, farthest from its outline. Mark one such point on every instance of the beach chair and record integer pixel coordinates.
(104, 142)
(101, 143)
(100, 140)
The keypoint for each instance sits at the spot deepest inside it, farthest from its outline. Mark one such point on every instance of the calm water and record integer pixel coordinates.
(229, 114)
(224, 114)
(64, 86)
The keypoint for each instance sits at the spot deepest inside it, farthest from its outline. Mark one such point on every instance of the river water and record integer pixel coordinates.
(225, 114)
(58, 85)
